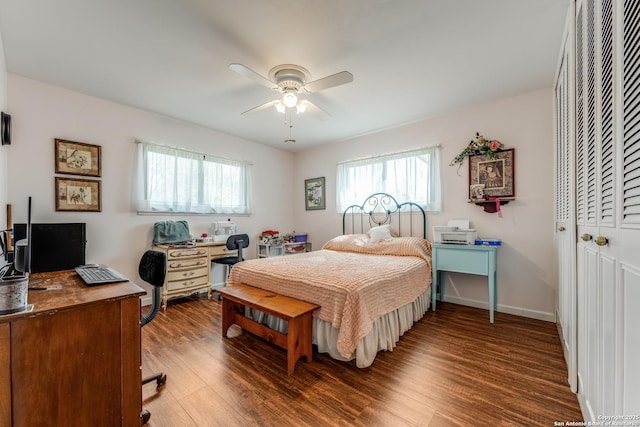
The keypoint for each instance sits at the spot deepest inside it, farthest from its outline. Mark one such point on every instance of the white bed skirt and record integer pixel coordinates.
(384, 335)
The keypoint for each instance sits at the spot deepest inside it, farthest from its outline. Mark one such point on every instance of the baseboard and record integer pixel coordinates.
(587, 414)
(148, 299)
(517, 311)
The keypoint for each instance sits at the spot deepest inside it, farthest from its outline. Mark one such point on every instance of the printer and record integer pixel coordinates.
(456, 231)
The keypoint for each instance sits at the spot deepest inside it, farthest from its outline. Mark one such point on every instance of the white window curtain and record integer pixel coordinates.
(412, 176)
(174, 180)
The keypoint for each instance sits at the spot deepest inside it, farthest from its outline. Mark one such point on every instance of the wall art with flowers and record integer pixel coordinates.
(490, 167)
(479, 145)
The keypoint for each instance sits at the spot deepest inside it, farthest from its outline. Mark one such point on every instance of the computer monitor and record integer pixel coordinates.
(54, 246)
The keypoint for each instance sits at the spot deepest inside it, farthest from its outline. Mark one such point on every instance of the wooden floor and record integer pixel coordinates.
(453, 368)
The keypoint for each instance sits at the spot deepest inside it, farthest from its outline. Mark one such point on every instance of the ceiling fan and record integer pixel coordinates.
(292, 80)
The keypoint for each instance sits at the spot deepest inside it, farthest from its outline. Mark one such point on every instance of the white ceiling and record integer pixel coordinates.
(411, 59)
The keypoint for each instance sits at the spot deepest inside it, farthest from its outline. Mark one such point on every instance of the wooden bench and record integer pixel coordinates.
(297, 313)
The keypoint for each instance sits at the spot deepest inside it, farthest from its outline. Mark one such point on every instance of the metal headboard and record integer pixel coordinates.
(407, 219)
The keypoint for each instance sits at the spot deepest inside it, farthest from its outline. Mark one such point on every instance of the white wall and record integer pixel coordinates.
(117, 236)
(526, 280)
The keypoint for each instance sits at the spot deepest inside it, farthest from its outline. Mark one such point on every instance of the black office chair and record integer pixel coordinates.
(234, 242)
(153, 269)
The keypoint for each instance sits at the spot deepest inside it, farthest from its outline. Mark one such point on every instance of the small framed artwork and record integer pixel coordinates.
(78, 195)
(314, 194)
(496, 174)
(78, 158)
(5, 128)
(476, 191)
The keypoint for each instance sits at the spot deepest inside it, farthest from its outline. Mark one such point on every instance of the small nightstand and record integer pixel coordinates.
(470, 259)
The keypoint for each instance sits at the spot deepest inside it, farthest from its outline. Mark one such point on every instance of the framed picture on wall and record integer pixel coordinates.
(78, 195)
(476, 191)
(78, 158)
(314, 194)
(5, 128)
(496, 174)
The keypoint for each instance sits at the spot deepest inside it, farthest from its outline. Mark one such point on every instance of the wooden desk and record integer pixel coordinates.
(468, 259)
(75, 359)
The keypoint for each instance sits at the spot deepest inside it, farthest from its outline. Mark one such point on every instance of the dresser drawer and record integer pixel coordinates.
(187, 274)
(180, 253)
(187, 283)
(220, 251)
(462, 261)
(181, 264)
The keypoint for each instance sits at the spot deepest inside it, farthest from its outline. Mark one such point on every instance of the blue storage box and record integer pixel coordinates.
(489, 242)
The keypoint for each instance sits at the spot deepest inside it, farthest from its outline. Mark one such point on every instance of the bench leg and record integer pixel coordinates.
(228, 315)
(299, 340)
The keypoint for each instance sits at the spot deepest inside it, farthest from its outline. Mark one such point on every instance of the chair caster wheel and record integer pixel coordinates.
(162, 380)
(145, 415)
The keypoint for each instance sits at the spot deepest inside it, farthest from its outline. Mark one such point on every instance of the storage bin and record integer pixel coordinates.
(266, 250)
(300, 237)
(294, 248)
(488, 242)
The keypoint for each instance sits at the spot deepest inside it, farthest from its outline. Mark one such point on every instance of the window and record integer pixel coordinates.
(175, 180)
(410, 176)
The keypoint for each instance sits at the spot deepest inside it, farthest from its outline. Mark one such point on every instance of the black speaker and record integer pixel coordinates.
(5, 128)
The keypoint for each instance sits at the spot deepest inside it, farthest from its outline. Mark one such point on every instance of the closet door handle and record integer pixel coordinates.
(602, 241)
(561, 228)
(586, 237)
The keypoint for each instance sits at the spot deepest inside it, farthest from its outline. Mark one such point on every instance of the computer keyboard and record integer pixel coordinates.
(99, 275)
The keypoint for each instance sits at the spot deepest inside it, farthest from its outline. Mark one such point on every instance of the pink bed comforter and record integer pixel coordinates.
(353, 281)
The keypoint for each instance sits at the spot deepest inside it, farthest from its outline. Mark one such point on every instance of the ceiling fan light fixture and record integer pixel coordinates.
(280, 107)
(290, 99)
(301, 107)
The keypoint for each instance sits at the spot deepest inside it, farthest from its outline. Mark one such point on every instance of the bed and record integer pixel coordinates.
(372, 283)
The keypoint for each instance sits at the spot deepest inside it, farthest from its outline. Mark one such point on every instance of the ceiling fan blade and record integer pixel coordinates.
(250, 74)
(329, 81)
(315, 111)
(261, 107)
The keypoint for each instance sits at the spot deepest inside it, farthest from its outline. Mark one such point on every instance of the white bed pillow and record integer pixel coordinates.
(380, 233)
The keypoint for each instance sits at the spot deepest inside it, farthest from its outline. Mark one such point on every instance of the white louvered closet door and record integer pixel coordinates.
(608, 205)
(628, 285)
(565, 205)
(587, 254)
(607, 254)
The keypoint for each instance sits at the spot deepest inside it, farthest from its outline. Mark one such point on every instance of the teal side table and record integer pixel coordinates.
(470, 259)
